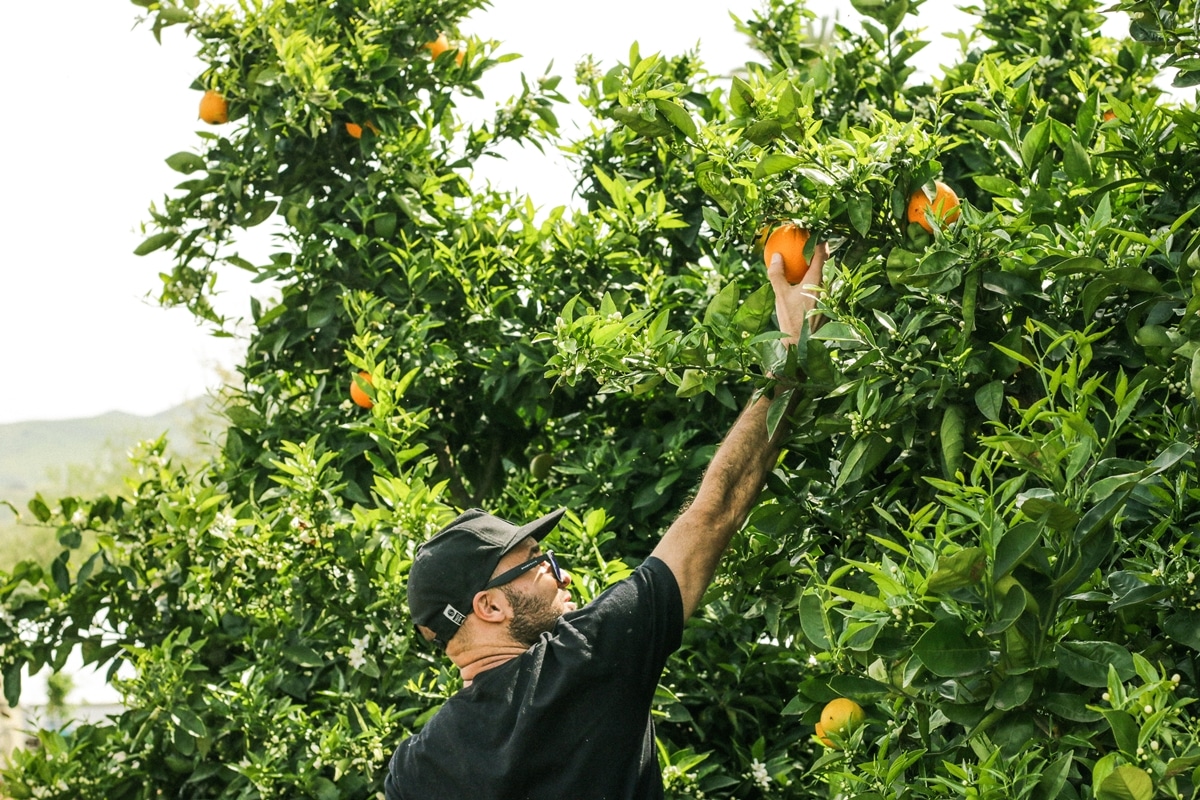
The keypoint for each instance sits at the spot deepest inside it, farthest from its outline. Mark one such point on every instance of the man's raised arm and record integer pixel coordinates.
(693, 545)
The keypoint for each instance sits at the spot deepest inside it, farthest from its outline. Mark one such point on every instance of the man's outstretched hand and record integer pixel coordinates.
(795, 303)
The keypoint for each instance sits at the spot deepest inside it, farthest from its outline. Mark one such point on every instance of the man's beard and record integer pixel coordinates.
(532, 616)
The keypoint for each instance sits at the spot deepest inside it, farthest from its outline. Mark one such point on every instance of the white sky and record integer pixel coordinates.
(94, 105)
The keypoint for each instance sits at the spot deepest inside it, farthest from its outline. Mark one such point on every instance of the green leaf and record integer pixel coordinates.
(952, 439)
(755, 311)
(1087, 663)
(998, 186)
(859, 206)
(1016, 543)
(302, 656)
(1194, 374)
(989, 399)
(678, 116)
(946, 649)
(1076, 162)
(1054, 777)
(1012, 692)
(721, 308)
(888, 12)
(156, 242)
(12, 682)
(866, 454)
(39, 508)
(1034, 145)
(963, 568)
(190, 722)
(813, 620)
(774, 163)
(185, 162)
(1126, 782)
(1184, 627)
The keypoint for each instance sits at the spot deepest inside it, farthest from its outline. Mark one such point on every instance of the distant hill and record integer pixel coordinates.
(58, 456)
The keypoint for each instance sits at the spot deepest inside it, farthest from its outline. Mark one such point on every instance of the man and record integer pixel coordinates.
(556, 700)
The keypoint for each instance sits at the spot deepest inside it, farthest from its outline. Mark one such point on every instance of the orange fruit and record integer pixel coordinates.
(358, 394)
(788, 240)
(1110, 115)
(438, 46)
(213, 108)
(841, 716)
(944, 207)
(356, 131)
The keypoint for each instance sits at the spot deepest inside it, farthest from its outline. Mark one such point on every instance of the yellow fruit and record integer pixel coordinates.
(213, 108)
(820, 731)
(358, 394)
(841, 716)
(539, 465)
(788, 240)
(944, 207)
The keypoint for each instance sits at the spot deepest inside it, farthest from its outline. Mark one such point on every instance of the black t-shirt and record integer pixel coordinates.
(568, 718)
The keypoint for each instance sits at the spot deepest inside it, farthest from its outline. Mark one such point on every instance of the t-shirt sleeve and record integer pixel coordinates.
(635, 624)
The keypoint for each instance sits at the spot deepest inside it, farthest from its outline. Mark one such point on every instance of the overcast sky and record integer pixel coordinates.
(93, 106)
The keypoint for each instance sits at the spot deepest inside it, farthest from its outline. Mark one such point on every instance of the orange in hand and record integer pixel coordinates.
(944, 207)
(788, 240)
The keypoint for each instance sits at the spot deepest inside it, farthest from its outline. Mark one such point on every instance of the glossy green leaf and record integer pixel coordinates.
(1126, 782)
(947, 650)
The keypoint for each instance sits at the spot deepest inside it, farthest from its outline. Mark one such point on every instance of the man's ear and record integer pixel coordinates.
(491, 605)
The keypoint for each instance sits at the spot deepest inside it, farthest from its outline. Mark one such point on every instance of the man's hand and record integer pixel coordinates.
(794, 303)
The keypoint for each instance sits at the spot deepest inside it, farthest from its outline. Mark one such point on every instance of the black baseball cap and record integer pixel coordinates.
(455, 564)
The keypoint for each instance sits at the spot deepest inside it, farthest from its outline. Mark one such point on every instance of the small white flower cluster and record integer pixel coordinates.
(759, 774)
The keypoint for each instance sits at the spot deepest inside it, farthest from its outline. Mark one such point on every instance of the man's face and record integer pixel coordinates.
(537, 598)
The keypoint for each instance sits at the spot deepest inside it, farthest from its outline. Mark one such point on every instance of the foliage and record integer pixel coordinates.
(982, 528)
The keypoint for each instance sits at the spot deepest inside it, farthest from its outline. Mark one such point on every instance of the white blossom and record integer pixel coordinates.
(758, 771)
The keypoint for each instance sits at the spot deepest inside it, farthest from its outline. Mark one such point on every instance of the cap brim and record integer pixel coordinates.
(538, 529)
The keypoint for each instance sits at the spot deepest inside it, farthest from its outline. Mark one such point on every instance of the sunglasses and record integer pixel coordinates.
(521, 569)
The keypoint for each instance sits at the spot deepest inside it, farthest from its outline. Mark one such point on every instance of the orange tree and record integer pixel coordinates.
(981, 531)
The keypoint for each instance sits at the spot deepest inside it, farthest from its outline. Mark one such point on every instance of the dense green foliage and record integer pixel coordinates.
(982, 528)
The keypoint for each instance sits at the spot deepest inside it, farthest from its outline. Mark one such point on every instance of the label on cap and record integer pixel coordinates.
(454, 615)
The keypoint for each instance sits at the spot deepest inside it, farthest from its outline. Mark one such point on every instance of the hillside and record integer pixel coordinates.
(85, 457)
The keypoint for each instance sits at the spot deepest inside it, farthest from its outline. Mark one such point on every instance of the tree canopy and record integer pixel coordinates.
(982, 529)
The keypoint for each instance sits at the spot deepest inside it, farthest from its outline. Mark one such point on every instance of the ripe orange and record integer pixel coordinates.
(438, 46)
(1110, 115)
(356, 131)
(944, 207)
(841, 716)
(358, 394)
(213, 108)
(788, 240)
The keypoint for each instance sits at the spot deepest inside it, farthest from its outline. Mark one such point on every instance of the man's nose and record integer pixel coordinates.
(566, 579)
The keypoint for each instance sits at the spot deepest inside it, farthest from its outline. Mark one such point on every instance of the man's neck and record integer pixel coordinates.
(476, 661)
